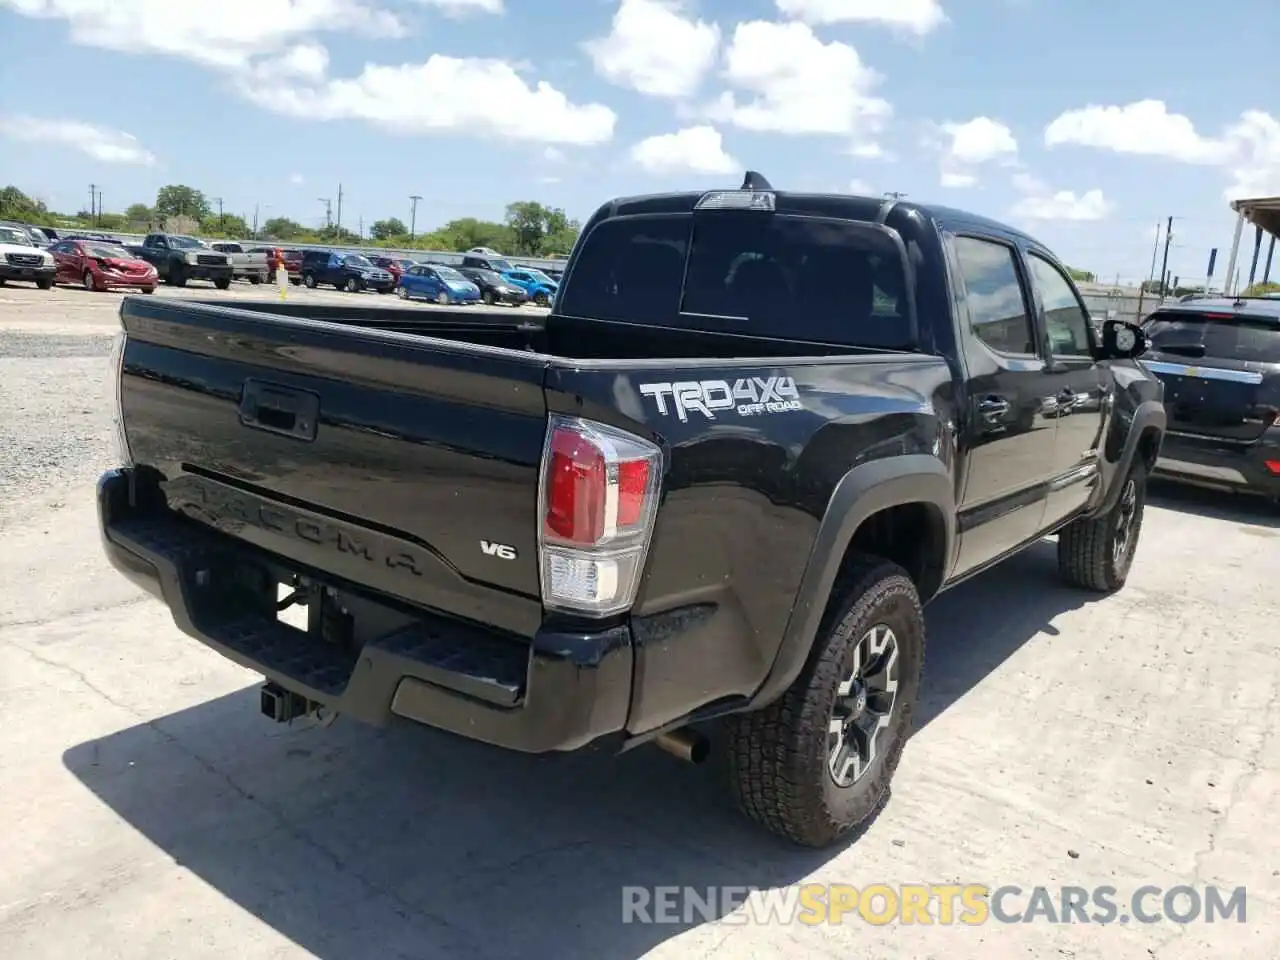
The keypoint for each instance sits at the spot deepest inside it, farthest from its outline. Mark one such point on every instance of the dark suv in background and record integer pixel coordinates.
(346, 271)
(1220, 363)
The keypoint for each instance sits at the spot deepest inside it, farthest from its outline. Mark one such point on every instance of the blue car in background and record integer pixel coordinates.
(433, 281)
(540, 288)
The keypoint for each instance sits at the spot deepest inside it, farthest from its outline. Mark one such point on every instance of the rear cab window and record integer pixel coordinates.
(1215, 335)
(746, 272)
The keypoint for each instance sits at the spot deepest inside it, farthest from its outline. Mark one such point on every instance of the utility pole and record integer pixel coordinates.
(1164, 268)
(413, 214)
(339, 223)
(93, 202)
(328, 211)
(255, 221)
(222, 221)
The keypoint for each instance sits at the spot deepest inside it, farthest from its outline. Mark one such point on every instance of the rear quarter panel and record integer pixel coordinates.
(743, 496)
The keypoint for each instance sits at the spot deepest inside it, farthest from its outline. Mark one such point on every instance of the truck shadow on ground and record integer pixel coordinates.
(1213, 504)
(357, 843)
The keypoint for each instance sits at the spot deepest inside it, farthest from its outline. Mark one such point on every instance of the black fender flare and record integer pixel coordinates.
(1148, 414)
(863, 491)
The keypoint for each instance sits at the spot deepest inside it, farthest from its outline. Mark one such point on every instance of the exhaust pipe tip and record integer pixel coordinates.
(685, 744)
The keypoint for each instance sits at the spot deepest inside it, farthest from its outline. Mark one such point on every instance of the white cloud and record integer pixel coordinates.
(296, 179)
(691, 150)
(1248, 150)
(969, 145)
(109, 146)
(913, 16)
(553, 155)
(454, 8)
(1255, 167)
(211, 32)
(799, 85)
(861, 187)
(868, 150)
(1041, 202)
(654, 49)
(444, 94)
(957, 180)
(1145, 127)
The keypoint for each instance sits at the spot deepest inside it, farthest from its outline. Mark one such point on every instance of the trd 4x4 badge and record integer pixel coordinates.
(748, 396)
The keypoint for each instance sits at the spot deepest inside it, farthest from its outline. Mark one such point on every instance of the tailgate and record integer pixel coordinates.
(389, 459)
(1221, 372)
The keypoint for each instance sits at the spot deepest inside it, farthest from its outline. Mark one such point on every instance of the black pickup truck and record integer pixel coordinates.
(178, 259)
(758, 430)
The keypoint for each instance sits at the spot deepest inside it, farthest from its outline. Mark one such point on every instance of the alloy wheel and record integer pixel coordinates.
(863, 706)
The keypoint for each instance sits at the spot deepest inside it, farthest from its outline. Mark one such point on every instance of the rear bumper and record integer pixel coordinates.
(9, 271)
(558, 692)
(1213, 463)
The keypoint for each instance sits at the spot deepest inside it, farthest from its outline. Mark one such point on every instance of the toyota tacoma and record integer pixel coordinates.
(756, 433)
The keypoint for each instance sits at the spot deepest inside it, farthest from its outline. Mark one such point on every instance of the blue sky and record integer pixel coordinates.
(1085, 123)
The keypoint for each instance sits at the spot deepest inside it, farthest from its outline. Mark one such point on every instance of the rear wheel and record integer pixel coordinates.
(255, 279)
(541, 299)
(310, 281)
(1096, 553)
(815, 765)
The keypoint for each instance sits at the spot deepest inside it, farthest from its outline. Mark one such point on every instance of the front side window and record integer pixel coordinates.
(1066, 322)
(998, 312)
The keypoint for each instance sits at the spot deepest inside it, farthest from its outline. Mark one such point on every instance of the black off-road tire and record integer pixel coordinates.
(177, 275)
(223, 283)
(778, 756)
(1087, 554)
(45, 284)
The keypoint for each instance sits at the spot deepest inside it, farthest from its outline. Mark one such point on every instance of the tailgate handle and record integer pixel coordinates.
(278, 409)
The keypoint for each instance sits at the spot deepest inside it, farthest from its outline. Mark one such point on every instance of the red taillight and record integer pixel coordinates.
(1273, 466)
(576, 489)
(599, 500)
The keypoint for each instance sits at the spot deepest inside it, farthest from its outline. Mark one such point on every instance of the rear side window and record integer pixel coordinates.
(744, 272)
(1218, 337)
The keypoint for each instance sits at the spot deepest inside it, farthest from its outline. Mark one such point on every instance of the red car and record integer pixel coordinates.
(395, 266)
(101, 265)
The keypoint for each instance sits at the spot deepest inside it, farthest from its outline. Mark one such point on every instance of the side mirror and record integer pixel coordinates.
(1122, 340)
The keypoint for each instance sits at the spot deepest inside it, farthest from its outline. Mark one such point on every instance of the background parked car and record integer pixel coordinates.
(101, 265)
(245, 264)
(396, 266)
(493, 288)
(436, 282)
(487, 261)
(21, 260)
(346, 271)
(179, 258)
(540, 288)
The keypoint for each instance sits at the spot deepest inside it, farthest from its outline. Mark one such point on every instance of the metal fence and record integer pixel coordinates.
(1118, 303)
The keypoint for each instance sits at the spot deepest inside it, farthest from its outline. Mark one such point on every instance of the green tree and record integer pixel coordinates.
(138, 213)
(1081, 276)
(180, 200)
(229, 225)
(386, 229)
(282, 228)
(16, 205)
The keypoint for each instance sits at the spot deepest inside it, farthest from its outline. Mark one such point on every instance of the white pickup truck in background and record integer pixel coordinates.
(246, 266)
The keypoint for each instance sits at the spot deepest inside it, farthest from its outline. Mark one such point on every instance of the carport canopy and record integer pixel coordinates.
(1263, 212)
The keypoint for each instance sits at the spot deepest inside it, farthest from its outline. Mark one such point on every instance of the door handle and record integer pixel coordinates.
(993, 409)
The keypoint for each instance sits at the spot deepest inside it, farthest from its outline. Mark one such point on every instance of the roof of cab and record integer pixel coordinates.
(844, 206)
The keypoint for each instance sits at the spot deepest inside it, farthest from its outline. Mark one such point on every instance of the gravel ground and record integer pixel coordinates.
(1062, 741)
(56, 428)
